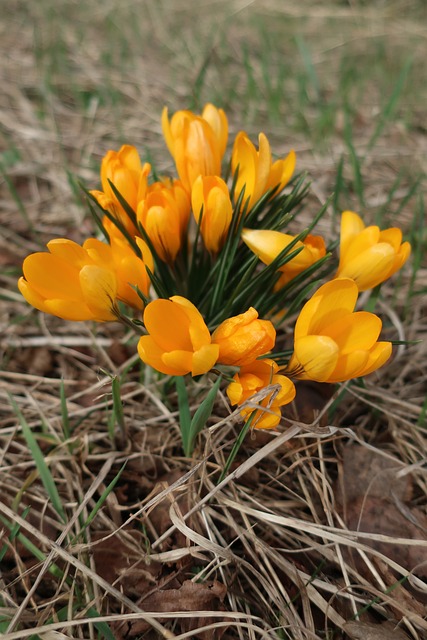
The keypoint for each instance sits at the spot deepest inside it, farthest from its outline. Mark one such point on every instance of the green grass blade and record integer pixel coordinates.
(99, 503)
(236, 446)
(39, 459)
(64, 411)
(391, 105)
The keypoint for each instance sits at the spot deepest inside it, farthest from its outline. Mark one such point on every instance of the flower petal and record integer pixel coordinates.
(314, 358)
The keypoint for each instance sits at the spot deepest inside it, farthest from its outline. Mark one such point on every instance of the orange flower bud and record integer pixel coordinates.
(179, 341)
(196, 143)
(367, 255)
(243, 338)
(164, 214)
(124, 169)
(332, 342)
(210, 197)
(252, 379)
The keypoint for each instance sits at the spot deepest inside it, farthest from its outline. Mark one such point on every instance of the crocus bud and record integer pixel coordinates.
(196, 143)
(252, 379)
(124, 170)
(164, 215)
(210, 199)
(243, 338)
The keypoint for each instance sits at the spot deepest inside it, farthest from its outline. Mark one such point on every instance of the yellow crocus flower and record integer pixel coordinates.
(69, 283)
(243, 338)
(368, 255)
(332, 343)
(210, 198)
(251, 379)
(256, 171)
(77, 282)
(267, 245)
(178, 340)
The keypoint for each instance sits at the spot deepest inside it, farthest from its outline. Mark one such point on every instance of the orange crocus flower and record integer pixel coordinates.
(243, 338)
(253, 378)
(178, 340)
(77, 282)
(211, 200)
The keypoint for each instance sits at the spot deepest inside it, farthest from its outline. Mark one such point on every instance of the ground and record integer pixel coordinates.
(318, 529)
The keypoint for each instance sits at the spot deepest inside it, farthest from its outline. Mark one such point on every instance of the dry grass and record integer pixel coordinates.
(315, 523)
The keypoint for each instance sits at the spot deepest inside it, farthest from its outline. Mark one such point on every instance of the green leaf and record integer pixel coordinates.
(201, 416)
(184, 412)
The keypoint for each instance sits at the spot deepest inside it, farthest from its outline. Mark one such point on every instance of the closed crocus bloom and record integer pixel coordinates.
(211, 199)
(252, 379)
(124, 169)
(282, 171)
(194, 144)
(179, 341)
(368, 255)
(219, 125)
(267, 245)
(257, 174)
(254, 167)
(332, 342)
(70, 283)
(164, 215)
(243, 338)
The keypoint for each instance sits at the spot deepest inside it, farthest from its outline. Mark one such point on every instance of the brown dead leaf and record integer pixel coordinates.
(36, 361)
(379, 516)
(190, 596)
(366, 631)
(119, 561)
(365, 472)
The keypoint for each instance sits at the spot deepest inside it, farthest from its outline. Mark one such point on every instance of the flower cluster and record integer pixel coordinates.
(211, 269)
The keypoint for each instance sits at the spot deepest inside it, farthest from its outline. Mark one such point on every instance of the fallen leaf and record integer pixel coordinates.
(190, 596)
(366, 631)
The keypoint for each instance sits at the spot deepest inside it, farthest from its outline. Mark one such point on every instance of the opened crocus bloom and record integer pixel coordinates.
(179, 341)
(164, 214)
(256, 172)
(332, 342)
(71, 282)
(252, 379)
(368, 255)
(268, 245)
(131, 271)
(124, 170)
(211, 202)
(243, 338)
(196, 143)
